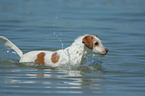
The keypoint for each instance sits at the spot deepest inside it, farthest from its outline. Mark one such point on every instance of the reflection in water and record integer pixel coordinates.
(75, 81)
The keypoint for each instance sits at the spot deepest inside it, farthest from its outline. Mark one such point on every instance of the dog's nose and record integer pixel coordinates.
(106, 50)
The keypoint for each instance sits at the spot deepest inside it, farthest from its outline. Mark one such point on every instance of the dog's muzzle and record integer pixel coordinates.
(104, 52)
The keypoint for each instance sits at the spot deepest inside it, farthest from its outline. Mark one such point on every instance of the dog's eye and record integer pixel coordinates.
(96, 43)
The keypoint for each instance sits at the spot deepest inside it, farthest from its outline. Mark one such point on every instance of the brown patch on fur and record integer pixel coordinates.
(55, 57)
(40, 58)
(88, 40)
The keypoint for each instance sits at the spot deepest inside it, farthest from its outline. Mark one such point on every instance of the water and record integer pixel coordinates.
(54, 24)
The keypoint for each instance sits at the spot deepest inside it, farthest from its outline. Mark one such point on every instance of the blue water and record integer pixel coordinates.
(49, 24)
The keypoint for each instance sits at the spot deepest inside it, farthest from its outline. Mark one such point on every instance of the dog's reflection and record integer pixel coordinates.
(70, 79)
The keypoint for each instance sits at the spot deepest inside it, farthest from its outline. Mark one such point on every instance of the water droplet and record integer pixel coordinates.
(8, 51)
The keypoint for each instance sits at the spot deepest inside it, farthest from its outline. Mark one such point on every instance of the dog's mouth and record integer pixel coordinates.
(104, 53)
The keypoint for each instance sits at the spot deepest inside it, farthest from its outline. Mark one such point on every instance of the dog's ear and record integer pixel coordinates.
(88, 41)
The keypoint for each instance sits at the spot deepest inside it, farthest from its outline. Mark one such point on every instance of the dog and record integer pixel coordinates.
(75, 54)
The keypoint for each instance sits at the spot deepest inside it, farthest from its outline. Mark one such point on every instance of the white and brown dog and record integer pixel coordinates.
(75, 54)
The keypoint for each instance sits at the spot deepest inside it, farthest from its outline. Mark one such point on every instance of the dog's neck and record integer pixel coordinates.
(77, 52)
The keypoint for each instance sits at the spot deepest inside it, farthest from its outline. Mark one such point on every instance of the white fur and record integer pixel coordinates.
(75, 54)
(12, 46)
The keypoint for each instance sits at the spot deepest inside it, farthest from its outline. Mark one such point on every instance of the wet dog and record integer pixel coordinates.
(75, 54)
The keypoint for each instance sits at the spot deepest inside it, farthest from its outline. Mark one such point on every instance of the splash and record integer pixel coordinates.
(59, 39)
(96, 58)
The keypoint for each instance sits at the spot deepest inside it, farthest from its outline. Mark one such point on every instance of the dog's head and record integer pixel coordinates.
(94, 43)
